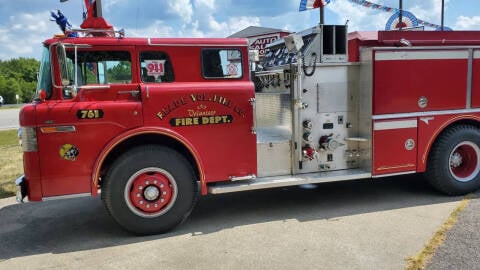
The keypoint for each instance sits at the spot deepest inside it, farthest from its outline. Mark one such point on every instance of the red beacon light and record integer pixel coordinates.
(42, 95)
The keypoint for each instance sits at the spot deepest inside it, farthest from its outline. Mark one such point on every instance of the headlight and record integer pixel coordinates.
(28, 139)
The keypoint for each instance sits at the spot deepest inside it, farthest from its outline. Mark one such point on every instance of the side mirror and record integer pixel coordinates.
(62, 64)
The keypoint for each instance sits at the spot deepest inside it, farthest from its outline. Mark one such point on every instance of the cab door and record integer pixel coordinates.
(203, 96)
(74, 127)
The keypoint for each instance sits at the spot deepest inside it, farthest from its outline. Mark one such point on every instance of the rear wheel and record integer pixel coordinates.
(150, 189)
(454, 161)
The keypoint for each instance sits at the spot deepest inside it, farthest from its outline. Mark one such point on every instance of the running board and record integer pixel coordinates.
(289, 180)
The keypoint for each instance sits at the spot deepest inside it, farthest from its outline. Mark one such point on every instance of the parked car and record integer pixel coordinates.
(1, 100)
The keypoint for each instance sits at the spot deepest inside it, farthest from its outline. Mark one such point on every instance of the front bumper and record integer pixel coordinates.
(21, 185)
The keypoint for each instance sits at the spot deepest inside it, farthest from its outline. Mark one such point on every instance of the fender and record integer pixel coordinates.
(140, 131)
(446, 121)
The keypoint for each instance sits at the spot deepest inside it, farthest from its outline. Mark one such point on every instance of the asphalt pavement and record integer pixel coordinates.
(461, 249)
(369, 224)
(9, 118)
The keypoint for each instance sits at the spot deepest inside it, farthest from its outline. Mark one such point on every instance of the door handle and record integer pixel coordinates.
(134, 93)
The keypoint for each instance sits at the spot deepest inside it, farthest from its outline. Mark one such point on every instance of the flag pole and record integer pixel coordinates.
(443, 13)
(400, 7)
(322, 15)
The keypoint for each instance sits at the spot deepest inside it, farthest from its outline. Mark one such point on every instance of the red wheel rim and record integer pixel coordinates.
(150, 192)
(464, 161)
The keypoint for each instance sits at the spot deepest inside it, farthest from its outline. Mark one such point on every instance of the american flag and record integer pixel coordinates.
(311, 4)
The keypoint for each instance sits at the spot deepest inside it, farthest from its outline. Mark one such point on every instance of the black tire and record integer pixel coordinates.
(454, 162)
(150, 189)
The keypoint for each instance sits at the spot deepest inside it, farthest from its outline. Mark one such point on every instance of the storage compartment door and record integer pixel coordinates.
(394, 146)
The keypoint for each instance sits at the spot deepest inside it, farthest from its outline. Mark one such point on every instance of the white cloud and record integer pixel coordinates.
(467, 23)
(182, 8)
(23, 33)
(359, 18)
(156, 29)
(234, 24)
(210, 4)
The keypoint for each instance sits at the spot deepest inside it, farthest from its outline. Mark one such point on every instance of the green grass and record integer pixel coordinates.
(11, 164)
(11, 106)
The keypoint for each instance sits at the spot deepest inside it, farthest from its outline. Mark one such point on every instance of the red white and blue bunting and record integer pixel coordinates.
(372, 5)
(311, 4)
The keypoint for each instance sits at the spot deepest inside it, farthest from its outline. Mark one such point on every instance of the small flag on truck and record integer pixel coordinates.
(311, 4)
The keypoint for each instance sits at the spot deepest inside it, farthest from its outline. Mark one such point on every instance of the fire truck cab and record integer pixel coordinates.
(152, 122)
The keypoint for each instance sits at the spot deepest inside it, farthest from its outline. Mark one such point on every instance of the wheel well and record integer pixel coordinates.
(147, 139)
(470, 122)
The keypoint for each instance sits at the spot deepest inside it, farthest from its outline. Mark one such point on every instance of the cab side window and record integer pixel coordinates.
(156, 67)
(221, 63)
(100, 67)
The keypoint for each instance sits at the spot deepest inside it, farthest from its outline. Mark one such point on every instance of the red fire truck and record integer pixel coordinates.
(152, 122)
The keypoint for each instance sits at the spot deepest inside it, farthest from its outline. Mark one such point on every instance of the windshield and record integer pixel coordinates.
(44, 75)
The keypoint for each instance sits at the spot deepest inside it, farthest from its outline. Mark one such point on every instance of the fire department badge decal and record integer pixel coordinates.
(69, 152)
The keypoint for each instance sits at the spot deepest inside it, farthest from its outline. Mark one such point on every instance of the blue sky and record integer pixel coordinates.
(24, 24)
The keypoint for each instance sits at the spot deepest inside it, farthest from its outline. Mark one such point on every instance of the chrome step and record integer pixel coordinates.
(289, 180)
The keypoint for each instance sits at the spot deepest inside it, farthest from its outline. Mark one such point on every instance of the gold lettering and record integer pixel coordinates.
(204, 120)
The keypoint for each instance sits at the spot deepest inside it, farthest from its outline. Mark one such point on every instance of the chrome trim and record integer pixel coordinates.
(420, 114)
(283, 181)
(79, 195)
(393, 174)
(476, 53)
(469, 79)
(420, 48)
(420, 55)
(149, 41)
(21, 189)
(90, 87)
(395, 124)
(241, 178)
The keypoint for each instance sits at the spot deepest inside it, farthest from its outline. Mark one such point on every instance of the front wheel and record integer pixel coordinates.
(150, 189)
(454, 162)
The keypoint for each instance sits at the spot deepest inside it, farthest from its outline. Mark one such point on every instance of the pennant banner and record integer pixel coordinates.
(311, 4)
(392, 9)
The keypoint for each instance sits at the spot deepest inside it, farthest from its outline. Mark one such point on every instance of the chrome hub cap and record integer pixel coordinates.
(464, 161)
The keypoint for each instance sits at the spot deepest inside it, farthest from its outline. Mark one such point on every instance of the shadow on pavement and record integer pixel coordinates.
(83, 224)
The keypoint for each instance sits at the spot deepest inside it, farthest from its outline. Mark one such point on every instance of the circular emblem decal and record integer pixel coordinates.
(422, 102)
(69, 152)
(409, 144)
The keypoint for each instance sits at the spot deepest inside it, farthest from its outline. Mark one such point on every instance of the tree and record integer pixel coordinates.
(18, 77)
